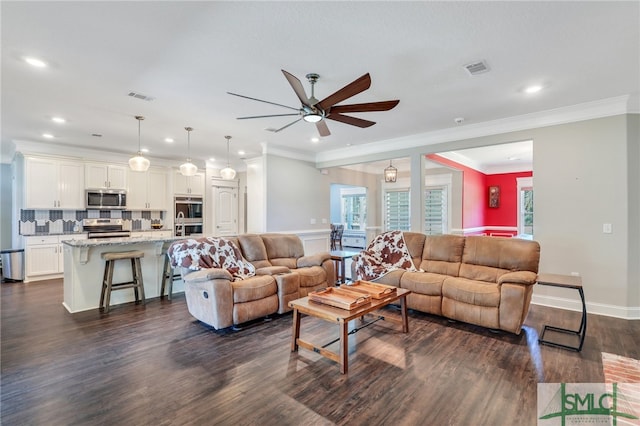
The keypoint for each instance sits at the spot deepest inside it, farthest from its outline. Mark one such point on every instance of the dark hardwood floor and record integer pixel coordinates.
(156, 365)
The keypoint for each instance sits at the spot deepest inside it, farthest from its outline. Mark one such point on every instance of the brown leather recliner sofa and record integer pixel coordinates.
(283, 273)
(487, 281)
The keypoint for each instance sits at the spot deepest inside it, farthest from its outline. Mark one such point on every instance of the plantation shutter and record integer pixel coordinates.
(397, 210)
(435, 210)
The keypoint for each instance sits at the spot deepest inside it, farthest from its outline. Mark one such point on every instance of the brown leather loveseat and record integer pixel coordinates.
(283, 273)
(487, 281)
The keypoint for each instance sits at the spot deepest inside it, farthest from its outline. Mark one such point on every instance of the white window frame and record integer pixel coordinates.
(522, 183)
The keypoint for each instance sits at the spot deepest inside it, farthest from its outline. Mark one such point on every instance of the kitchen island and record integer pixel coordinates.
(84, 269)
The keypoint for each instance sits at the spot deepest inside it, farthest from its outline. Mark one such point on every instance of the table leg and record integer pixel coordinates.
(296, 330)
(403, 311)
(342, 272)
(344, 347)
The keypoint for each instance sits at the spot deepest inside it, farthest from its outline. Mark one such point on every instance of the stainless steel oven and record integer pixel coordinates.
(104, 228)
(189, 213)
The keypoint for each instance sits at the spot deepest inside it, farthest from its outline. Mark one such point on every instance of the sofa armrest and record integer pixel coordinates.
(207, 275)
(272, 270)
(518, 277)
(313, 260)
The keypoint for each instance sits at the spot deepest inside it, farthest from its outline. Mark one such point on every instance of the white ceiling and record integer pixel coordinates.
(187, 55)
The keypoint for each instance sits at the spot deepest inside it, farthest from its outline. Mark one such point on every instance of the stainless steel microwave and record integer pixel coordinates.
(106, 199)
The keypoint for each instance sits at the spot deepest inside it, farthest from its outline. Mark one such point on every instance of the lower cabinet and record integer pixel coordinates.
(151, 234)
(44, 257)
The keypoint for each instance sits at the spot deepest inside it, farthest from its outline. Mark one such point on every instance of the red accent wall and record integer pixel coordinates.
(507, 212)
(475, 196)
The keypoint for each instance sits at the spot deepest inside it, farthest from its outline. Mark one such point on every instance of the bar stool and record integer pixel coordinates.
(168, 274)
(107, 282)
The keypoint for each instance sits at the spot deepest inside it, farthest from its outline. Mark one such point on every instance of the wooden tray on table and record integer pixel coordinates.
(375, 290)
(340, 298)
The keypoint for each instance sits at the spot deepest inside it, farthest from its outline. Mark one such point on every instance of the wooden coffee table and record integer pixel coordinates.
(342, 317)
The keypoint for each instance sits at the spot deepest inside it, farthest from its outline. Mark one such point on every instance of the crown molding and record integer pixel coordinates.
(580, 112)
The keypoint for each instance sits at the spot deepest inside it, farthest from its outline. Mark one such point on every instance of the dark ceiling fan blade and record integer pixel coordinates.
(323, 129)
(290, 124)
(297, 87)
(366, 107)
(350, 120)
(265, 116)
(266, 102)
(351, 89)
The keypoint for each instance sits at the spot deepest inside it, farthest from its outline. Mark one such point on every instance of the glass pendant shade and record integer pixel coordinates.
(138, 163)
(227, 173)
(390, 173)
(188, 168)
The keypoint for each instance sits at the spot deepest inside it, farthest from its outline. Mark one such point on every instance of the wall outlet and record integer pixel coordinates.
(607, 228)
(312, 221)
(324, 221)
(575, 274)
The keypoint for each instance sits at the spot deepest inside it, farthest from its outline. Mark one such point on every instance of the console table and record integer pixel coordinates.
(572, 282)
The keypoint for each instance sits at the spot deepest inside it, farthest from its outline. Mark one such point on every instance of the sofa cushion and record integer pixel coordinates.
(415, 245)
(488, 258)
(254, 250)
(283, 249)
(423, 283)
(442, 254)
(471, 292)
(312, 276)
(254, 288)
(272, 270)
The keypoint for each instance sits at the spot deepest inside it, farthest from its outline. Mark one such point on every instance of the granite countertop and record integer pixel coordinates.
(96, 242)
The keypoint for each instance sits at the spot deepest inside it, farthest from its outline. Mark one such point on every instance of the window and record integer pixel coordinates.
(397, 210)
(435, 210)
(354, 211)
(525, 207)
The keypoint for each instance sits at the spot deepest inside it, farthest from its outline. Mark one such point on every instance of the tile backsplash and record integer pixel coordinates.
(34, 222)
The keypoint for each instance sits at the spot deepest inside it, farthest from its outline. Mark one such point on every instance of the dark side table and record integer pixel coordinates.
(565, 281)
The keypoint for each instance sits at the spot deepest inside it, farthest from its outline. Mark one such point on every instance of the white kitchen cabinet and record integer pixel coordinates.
(147, 190)
(52, 183)
(102, 176)
(151, 234)
(189, 185)
(44, 258)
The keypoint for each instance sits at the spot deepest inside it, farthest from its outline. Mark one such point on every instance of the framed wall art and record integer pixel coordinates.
(494, 197)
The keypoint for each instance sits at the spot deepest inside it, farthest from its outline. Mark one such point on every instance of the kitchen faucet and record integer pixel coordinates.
(180, 220)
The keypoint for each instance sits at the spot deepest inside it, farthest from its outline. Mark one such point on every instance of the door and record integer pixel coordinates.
(42, 259)
(225, 202)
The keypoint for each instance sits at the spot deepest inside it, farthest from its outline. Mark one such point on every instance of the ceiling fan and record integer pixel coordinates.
(314, 111)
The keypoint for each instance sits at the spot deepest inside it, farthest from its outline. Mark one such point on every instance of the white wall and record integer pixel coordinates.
(6, 203)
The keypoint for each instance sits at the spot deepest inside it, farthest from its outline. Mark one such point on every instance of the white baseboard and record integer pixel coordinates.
(624, 312)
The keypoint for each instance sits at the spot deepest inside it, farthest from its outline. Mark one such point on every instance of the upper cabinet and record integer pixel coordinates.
(188, 185)
(147, 190)
(99, 175)
(54, 184)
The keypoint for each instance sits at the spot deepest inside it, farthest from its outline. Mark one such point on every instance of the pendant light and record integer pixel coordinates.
(390, 173)
(139, 163)
(188, 168)
(227, 173)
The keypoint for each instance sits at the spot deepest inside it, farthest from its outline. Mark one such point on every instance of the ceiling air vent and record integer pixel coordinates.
(476, 68)
(140, 96)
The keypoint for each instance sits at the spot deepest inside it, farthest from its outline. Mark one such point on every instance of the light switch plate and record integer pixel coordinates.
(607, 228)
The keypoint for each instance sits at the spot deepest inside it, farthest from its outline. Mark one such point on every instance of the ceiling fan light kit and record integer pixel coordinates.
(227, 173)
(138, 163)
(314, 111)
(390, 173)
(188, 168)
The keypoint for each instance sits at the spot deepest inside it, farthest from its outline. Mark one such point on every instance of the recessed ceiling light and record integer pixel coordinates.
(58, 120)
(47, 135)
(35, 62)
(533, 89)
(168, 140)
(144, 150)
(212, 159)
(315, 140)
(513, 158)
(240, 152)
